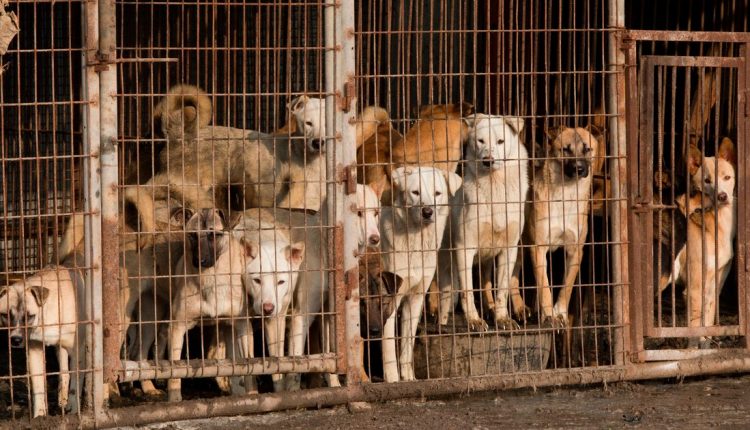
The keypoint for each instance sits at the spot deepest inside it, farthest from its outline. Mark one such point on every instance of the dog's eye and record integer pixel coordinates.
(30, 317)
(309, 123)
(377, 214)
(416, 193)
(480, 141)
(359, 214)
(282, 282)
(586, 150)
(726, 178)
(256, 281)
(438, 194)
(708, 180)
(500, 141)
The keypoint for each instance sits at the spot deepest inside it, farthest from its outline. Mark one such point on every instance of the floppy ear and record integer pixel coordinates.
(727, 151)
(251, 249)
(3, 291)
(681, 202)
(694, 159)
(594, 130)
(391, 281)
(453, 180)
(553, 132)
(469, 121)
(515, 123)
(398, 177)
(40, 294)
(297, 104)
(295, 253)
(181, 215)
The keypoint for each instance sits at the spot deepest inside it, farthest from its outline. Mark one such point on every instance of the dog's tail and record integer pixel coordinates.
(183, 111)
(72, 237)
(367, 124)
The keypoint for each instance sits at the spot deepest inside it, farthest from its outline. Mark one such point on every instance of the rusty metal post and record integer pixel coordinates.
(618, 207)
(92, 207)
(110, 296)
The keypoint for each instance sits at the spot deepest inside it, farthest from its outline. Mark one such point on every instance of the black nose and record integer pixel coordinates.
(487, 161)
(427, 213)
(374, 330)
(316, 144)
(16, 341)
(582, 171)
(374, 239)
(722, 197)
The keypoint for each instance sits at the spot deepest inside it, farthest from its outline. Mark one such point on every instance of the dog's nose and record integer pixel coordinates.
(316, 144)
(722, 197)
(427, 213)
(267, 309)
(16, 341)
(374, 330)
(487, 161)
(581, 170)
(374, 239)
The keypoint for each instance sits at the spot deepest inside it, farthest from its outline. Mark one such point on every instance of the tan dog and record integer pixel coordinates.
(559, 214)
(374, 152)
(45, 310)
(705, 260)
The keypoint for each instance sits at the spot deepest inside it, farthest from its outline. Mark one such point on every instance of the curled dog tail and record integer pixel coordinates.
(367, 124)
(183, 111)
(72, 237)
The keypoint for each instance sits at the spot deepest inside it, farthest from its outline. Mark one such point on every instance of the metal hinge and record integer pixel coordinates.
(349, 179)
(345, 100)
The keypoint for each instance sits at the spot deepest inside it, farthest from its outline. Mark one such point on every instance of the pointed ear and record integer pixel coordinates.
(594, 130)
(467, 109)
(297, 104)
(251, 249)
(398, 177)
(295, 253)
(469, 121)
(553, 132)
(391, 281)
(727, 151)
(694, 159)
(378, 187)
(515, 123)
(681, 202)
(40, 294)
(453, 180)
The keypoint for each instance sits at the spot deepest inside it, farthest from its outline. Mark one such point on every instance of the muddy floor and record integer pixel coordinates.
(695, 403)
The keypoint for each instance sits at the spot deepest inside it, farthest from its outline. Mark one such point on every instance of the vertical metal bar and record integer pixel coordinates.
(743, 175)
(109, 296)
(92, 207)
(618, 172)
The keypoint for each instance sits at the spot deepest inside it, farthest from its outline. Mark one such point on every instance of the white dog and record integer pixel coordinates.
(411, 232)
(487, 217)
(44, 310)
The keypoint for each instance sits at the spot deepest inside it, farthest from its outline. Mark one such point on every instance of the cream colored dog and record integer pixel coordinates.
(487, 217)
(411, 232)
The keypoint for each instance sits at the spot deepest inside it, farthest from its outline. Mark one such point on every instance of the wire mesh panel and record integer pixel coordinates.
(491, 143)
(46, 317)
(226, 156)
(690, 179)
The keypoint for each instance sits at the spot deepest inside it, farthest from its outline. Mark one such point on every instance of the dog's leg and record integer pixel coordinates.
(217, 350)
(35, 365)
(506, 260)
(487, 286)
(77, 354)
(390, 363)
(244, 332)
(573, 254)
(64, 387)
(543, 289)
(447, 278)
(410, 315)
(309, 303)
(332, 379)
(520, 310)
(149, 316)
(176, 339)
(275, 330)
(464, 260)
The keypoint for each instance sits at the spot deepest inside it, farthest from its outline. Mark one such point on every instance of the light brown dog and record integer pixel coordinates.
(561, 204)
(374, 153)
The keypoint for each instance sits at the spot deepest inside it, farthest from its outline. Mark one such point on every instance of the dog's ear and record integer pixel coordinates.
(453, 180)
(515, 123)
(727, 151)
(466, 109)
(681, 202)
(469, 121)
(298, 104)
(694, 159)
(553, 132)
(3, 291)
(251, 249)
(295, 253)
(595, 131)
(40, 294)
(391, 281)
(662, 180)
(215, 218)
(379, 187)
(398, 177)
(180, 215)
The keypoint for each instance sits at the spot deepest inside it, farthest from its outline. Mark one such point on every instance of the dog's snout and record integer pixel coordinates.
(316, 144)
(268, 308)
(582, 170)
(722, 197)
(487, 161)
(374, 330)
(374, 239)
(16, 341)
(427, 213)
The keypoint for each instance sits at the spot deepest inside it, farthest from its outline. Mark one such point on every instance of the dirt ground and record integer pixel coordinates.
(696, 403)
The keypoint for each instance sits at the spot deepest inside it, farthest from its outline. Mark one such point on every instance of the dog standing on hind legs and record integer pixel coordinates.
(559, 214)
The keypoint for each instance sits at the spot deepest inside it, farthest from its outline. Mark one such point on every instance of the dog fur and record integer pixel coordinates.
(487, 217)
(559, 214)
(411, 232)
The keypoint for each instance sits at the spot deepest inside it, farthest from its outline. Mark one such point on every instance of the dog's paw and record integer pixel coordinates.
(522, 314)
(554, 322)
(477, 324)
(506, 324)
